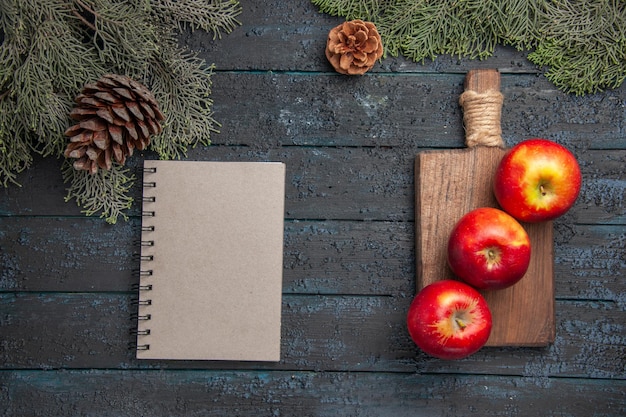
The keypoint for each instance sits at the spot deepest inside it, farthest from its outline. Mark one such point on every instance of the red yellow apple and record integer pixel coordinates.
(489, 249)
(537, 180)
(448, 319)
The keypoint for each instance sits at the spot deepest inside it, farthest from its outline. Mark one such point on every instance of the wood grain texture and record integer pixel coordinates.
(450, 184)
(418, 110)
(257, 393)
(319, 333)
(78, 254)
(301, 31)
(338, 183)
(350, 146)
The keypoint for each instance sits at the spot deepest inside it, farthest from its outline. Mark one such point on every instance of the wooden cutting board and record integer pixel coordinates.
(450, 183)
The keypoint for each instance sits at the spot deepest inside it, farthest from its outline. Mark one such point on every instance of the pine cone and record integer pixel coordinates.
(115, 116)
(354, 47)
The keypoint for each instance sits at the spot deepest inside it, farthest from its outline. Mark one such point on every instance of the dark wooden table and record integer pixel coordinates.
(349, 271)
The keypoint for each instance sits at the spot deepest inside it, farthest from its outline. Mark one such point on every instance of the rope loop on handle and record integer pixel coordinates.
(481, 118)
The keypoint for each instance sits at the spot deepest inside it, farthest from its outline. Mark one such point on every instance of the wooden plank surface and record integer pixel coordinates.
(326, 109)
(320, 333)
(372, 258)
(349, 145)
(258, 393)
(347, 183)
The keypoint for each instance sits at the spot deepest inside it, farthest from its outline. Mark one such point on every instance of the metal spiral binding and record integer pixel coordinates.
(144, 272)
(137, 316)
(140, 257)
(136, 346)
(137, 332)
(139, 287)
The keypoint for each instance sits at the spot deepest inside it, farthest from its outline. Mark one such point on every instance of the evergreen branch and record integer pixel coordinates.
(517, 23)
(105, 192)
(49, 49)
(181, 83)
(15, 151)
(350, 9)
(56, 66)
(216, 16)
(584, 46)
(581, 42)
(447, 21)
(83, 20)
(579, 73)
(122, 33)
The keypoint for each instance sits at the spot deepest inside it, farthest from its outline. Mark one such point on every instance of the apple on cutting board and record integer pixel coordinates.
(488, 249)
(537, 180)
(450, 320)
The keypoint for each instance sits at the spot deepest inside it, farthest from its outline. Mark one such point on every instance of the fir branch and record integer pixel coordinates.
(54, 68)
(216, 16)
(585, 45)
(517, 23)
(580, 42)
(41, 64)
(121, 32)
(428, 29)
(181, 83)
(15, 150)
(49, 49)
(579, 73)
(105, 192)
(350, 9)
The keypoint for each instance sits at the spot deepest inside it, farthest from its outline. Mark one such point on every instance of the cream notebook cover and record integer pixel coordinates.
(211, 261)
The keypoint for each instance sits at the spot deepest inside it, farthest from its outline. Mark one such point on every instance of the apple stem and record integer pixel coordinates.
(460, 323)
(542, 189)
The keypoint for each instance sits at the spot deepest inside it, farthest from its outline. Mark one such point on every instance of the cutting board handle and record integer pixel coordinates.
(482, 108)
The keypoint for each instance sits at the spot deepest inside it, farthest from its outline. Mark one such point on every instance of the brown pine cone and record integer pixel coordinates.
(354, 47)
(115, 116)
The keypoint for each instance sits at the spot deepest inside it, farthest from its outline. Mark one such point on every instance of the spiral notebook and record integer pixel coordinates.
(211, 261)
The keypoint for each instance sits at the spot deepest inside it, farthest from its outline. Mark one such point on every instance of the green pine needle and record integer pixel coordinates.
(581, 43)
(181, 83)
(49, 49)
(214, 16)
(104, 193)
